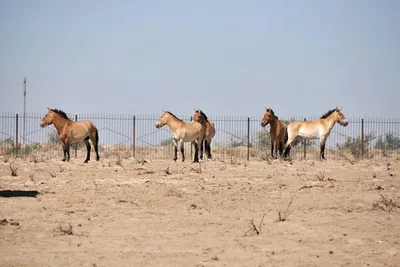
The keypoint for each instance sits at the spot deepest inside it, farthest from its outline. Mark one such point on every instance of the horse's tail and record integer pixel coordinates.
(97, 137)
(286, 135)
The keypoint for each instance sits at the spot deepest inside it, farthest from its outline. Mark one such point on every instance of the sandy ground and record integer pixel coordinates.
(161, 213)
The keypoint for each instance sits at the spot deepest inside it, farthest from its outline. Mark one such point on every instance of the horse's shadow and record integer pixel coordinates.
(18, 193)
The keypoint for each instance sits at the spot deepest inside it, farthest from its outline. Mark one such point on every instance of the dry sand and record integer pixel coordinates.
(162, 213)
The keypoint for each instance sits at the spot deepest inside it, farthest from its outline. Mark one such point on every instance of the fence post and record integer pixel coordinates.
(248, 138)
(134, 136)
(76, 143)
(362, 138)
(190, 144)
(305, 146)
(16, 134)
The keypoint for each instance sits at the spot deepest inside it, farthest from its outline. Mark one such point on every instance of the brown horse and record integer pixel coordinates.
(182, 132)
(277, 132)
(315, 129)
(209, 133)
(71, 131)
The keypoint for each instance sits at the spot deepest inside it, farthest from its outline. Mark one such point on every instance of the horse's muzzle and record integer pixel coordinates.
(42, 125)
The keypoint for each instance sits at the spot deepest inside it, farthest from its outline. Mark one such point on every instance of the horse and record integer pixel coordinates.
(315, 129)
(182, 132)
(277, 132)
(209, 133)
(71, 131)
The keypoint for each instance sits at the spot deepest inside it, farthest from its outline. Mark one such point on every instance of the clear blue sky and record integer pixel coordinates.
(225, 57)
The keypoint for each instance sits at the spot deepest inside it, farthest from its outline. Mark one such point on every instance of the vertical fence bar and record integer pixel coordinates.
(16, 133)
(248, 138)
(134, 136)
(191, 147)
(362, 138)
(76, 143)
(305, 146)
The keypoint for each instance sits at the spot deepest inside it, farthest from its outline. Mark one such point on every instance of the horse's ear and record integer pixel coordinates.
(340, 108)
(48, 109)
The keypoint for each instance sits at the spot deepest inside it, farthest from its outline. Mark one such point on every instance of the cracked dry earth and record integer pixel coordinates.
(161, 213)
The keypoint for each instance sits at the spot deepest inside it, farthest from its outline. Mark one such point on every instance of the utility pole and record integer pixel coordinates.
(24, 115)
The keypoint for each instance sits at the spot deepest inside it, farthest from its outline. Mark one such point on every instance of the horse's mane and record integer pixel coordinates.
(202, 114)
(170, 113)
(61, 113)
(326, 115)
(272, 112)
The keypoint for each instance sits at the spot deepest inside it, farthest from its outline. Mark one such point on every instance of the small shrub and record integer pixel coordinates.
(13, 169)
(256, 229)
(385, 204)
(284, 215)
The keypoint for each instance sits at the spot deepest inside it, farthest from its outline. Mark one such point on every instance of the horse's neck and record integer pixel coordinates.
(174, 124)
(274, 125)
(59, 123)
(330, 121)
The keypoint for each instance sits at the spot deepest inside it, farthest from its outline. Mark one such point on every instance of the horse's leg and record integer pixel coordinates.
(322, 147)
(67, 145)
(276, 149)
(288, 146)
(95, 142)
(182, 145)
(280, 148)
(208, 149)
(175, 149)
(201, 148)
(65, 150)
(196, 150)
(272, 148)
(88, 148)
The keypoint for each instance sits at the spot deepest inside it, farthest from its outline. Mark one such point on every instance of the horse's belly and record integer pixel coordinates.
(309, 135)
(74, 137)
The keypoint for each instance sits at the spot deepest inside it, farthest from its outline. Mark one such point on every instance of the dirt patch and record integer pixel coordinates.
(161, 213)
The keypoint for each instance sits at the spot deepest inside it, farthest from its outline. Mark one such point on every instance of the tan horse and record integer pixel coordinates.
(71, 131)
(315, 129)
(277, 132)
(209, 133)
(182, 132)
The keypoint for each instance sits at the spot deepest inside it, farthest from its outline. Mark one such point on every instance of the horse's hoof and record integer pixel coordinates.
(98, 158)
(86, 161)
(64, 159)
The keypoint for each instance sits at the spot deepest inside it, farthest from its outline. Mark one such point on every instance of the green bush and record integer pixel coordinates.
(353, 145)
(390, 142)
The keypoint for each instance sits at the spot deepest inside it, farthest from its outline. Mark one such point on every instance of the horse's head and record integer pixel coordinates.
(47, 119)
(199, 116)
(163, 120)
(340, 117)
(268, 117)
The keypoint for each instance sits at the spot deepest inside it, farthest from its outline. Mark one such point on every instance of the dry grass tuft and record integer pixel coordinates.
(67, 230)
(253, 229)
(14, 169)
(284, 215)
(197, 170)
(385, 204)
(320, 176)
(167, 171)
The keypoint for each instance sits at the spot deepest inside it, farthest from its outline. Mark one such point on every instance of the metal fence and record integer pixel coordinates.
(237, 138)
